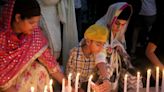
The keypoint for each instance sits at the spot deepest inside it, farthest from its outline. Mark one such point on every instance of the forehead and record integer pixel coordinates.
(121, 21)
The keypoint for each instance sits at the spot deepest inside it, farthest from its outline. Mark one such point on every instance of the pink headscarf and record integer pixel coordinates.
(17, 54)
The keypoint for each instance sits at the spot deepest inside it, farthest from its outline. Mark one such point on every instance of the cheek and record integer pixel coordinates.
(27, 29)
(96, 49)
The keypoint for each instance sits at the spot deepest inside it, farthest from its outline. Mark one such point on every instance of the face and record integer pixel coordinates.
(27, 26)
(96, 47)
(118, 25)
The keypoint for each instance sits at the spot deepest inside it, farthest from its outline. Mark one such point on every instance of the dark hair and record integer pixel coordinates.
(125, 14)
(26, 8)
(2, 2)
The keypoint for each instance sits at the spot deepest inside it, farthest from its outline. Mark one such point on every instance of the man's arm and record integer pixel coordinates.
(150, 53)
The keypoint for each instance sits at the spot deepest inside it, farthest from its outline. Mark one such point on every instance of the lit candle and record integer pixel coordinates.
(69, 82)
(50, 85)
(89, 83)
(32, 89)
(125, 83)
(45, 88)
(162, 87)
(63, 85)
(148, 80)
(138, 81)
(157, 79)
(77, 82)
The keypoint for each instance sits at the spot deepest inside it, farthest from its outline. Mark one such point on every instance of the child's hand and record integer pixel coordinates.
(104, 87)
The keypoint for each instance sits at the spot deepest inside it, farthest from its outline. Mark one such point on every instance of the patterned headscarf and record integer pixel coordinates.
(17, 54)
(111, 16)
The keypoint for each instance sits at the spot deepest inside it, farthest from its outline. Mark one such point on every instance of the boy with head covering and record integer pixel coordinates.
(82, 58)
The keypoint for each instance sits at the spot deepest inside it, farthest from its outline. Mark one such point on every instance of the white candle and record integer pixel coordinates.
(148, 80)
(162, 87)
(32, 89)
(89, 83)
(125, 82)
(63, 85)
(69, 82)
(138, 81)
(157, 79)
(77, 82)
(50, 85)
(45, 88)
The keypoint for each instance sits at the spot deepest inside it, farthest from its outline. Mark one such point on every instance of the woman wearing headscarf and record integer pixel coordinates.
(116, 58)
(25, 60)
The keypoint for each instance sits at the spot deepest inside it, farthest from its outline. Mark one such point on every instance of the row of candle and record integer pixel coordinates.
(69, 88)
(147, 81)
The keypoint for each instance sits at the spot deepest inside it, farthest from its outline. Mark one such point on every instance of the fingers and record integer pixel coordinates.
(104, 87)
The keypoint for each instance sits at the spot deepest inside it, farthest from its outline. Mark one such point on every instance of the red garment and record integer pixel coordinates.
(16, 54)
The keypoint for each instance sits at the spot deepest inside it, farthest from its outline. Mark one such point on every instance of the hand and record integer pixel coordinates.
(104, 87)
(119, 49)
(81, 90)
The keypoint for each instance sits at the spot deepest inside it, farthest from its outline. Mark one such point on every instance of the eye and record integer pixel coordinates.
(117, 23)
(32, 22)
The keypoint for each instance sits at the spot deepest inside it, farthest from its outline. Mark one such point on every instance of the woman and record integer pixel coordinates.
(25, 60)
(116, 20)
(117, 12)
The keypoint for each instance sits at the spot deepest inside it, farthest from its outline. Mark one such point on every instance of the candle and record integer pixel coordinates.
(77, 82)
(157, 79)
(162, 87)
(89, 83)
(50, 85)
(125, 83)
(69, 82)
(63, 85)
(45, 88)
(148, 80)
(32, 89)
(138, 81)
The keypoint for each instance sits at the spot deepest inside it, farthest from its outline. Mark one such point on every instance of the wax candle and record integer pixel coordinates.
(63, 85)
(50, 85)
(77, 82)
(32, 89)
(45, 88)
(148, 80)
(89, 83)
(125, 82)
(157, 79)
(138, 81)
(69, 83)
(162, 87)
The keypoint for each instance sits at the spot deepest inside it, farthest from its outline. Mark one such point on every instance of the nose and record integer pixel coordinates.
(35, 25)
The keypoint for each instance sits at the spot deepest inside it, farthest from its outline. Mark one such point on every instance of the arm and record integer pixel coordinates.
(52, 66)
(101, 65)
(106, 85)
(150, 53)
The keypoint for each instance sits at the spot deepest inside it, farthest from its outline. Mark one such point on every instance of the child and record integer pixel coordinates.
(82, 58)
